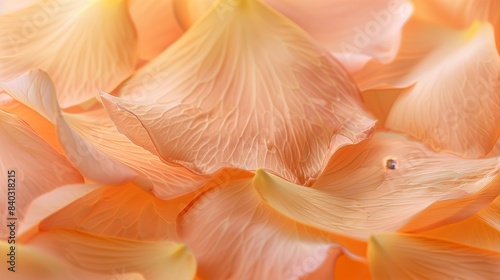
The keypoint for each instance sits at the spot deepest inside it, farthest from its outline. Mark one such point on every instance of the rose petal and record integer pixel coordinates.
(399, 256)
(110, 255)
(156, 26)
(67, 39)
(251, 101)
(38, 167)
(455, 106)
(125, 211)
(353, 31)
(234, 234)
(358, 195)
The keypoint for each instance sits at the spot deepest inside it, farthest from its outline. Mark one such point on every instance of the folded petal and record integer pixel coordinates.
(31, 263)
(359, 195)
(111, 255)
(455, 106)
(83, 45)
(400, 256)
(234, 234)
(260, 94)
(156, 26)
(353, 31)
(30, 166)
(36, 90)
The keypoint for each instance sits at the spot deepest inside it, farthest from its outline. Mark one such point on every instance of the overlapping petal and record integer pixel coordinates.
(353, 31)
(37, 168)
(358, 195)
(249, 89)
(234, 234)
(91, 138)
(400, 256)
(32, 263)
(114, 256)
(83, 45)
(156, 26)
(455, 106)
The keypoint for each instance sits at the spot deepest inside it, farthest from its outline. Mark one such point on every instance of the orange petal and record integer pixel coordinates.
(358, 195)
(491, 213)
(35, 90)
(253, 98)
(38, 168)
(353, 31)
(110, 255)
(156, 26)
(31, 263)
(125, 211)
(230, 230)
(472, 232)
(50, 203)
(400, 256)
(458, 13)
(455, 106)
(67, 39)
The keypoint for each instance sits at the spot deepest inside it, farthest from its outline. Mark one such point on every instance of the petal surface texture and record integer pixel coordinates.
(358, 195)
(353, 31)
(111, 255)
(247, 89)
(455, 106)
(37, 167)
(399, 256)
(234, 235)
(83, 45)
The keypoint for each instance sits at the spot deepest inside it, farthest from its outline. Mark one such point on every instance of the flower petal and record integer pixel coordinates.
(491, 213)
(125, 211)
(253, 98)
(110, 255)
(32, 263)
(156, 26)
(399, 256)
(38, 167)
(233, 234)
(35, 90)
(455, 106)
(358, 195)
(353, 31)
(472, 232)
(67, 39)
(50, 203)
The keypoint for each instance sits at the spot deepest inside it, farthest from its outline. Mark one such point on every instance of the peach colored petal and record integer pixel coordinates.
(35, 90)
(111, 255)
(38, 168)
(156, 25)
(379, 103)
(457, 13)
(234, 234)
(491, 213)
(125, 211)
(473, 232)
(358, 195)
(353, 31)
(32, 263)
(49, 203)
(246, 90)
(83, 45)
(400, 256)
(455, 106)
(348, 269)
